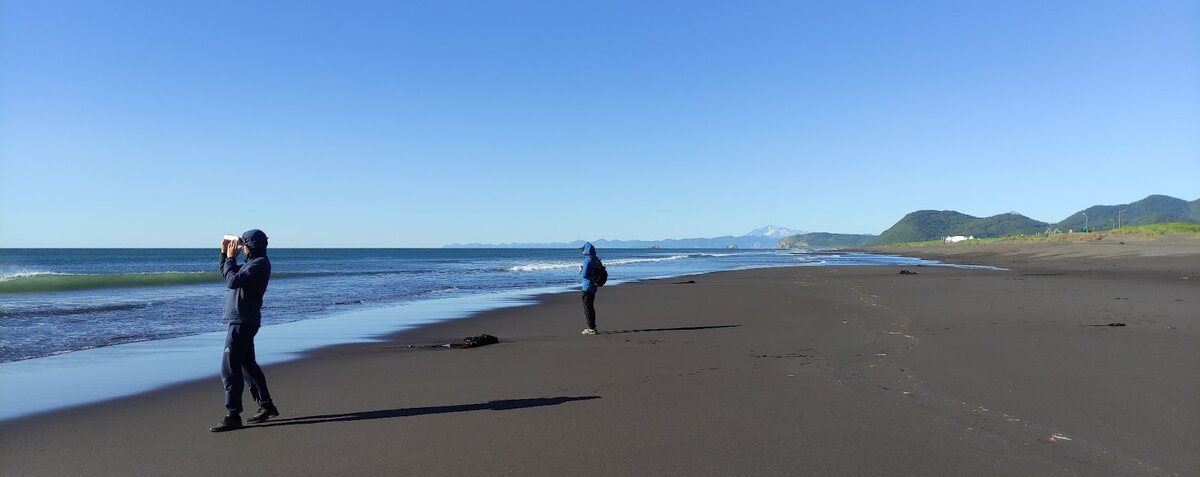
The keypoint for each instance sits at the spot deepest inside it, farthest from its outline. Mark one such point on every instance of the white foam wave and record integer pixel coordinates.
(17, 275)
(4, 277)
(539, 266)
(627, 261)
(542, 266)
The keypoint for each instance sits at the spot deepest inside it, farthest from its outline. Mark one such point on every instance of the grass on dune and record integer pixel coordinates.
(1144, 231)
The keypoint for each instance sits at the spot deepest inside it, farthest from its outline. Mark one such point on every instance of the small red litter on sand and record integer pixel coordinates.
(1057, 437)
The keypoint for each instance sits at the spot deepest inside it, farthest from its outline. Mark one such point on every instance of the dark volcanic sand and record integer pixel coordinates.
(796, 371)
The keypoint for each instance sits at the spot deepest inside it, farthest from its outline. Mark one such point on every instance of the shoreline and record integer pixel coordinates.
(193, 356)
(829, 369)
(93, 368)
(283, 343)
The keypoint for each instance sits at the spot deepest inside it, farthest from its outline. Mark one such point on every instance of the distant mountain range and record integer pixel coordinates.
(919, 226)
(773, 231)
(765, 237)
(924, 225)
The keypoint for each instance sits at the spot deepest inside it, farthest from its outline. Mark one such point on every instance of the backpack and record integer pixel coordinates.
(600, 276)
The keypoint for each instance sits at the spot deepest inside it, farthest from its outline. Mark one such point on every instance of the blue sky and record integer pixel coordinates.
(410, 124)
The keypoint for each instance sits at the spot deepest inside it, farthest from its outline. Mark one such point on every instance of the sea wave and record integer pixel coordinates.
(560, 265)
(19, 274)
(627, 261)
(540, 266)
(49, 282)
(69, 309)
(41, 282)
(396, 296)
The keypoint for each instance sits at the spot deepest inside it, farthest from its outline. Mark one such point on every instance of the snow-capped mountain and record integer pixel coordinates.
(766, 237)
(773, 231)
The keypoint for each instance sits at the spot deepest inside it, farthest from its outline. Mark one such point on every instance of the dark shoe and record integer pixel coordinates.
(265, 412)
(228, 423)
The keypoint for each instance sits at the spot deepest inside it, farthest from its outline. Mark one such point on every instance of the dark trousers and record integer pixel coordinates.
(589, 308)
(238, 365)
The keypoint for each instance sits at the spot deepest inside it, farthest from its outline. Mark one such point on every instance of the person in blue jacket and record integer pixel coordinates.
(247, 284)
(586, 272)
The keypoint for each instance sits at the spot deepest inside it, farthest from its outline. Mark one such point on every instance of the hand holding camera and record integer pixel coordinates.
(230, 245)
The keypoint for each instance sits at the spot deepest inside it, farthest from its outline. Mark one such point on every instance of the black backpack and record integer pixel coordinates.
(600, 276)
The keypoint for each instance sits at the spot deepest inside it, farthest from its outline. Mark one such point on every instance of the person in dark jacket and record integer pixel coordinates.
(586, 273)
(243, 311)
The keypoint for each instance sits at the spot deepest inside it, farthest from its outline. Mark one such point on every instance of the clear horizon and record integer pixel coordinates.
(401, 125)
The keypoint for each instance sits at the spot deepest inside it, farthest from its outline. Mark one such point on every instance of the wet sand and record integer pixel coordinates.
(805, 370)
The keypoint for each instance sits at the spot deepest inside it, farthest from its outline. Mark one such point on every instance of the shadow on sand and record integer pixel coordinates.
(501, 405)
(681, 328)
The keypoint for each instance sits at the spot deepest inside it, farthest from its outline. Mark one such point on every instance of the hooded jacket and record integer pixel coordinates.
(589, 262)
(247, 282)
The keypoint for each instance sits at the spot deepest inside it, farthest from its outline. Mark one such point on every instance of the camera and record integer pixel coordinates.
(237, 244)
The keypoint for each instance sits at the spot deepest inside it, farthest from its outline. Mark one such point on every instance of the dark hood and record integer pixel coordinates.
(256, 240)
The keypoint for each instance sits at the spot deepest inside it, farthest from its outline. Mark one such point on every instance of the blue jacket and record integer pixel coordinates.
(247, 282)
(589, 261)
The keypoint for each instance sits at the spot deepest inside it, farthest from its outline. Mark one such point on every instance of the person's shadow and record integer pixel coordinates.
(681, 328)
(501, 405)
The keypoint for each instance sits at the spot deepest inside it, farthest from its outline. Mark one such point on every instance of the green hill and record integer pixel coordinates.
(1151, 210)
(924, 225)
(825, 240)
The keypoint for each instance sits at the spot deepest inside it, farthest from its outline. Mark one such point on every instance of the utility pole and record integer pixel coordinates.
(1086, 227)
(1119, 212)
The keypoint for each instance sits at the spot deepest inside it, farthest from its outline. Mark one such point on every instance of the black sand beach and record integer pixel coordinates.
(792, 371)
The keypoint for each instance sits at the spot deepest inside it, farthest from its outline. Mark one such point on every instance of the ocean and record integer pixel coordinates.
(68, 315)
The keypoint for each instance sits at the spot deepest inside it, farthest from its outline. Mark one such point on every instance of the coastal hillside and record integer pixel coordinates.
(825, 240)
(919, 226)
(924, 225)
(1151, 210)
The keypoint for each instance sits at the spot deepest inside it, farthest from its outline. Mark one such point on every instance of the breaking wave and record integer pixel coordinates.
(560, 265)
(49, 282)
